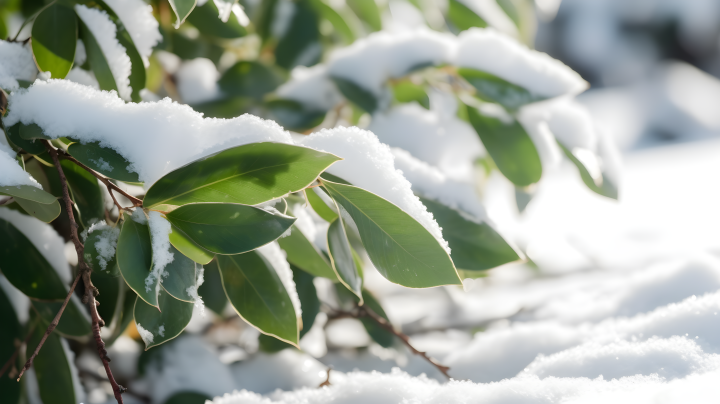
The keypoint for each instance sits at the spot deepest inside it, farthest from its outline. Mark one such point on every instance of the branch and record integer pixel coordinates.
(14, 356)
(364, 311)
(84, 271)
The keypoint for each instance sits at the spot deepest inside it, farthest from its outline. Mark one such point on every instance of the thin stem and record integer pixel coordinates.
(85, 271)
(14, 356)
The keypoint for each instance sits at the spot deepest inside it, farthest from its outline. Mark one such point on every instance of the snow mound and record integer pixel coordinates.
(16, 63)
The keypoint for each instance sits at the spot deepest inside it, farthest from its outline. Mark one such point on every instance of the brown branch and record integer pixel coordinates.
(85, 271)
(14, 356)
(327, 379)
(364, 311)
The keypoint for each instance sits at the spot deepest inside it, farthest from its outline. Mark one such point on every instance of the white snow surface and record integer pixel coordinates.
(197, 81)
(106, 243)
(156, 137)
(83, 77)
(104, 31)
(160, 230)
(312, 87)
(369, 164)
(16, 63)
(138, 19)
(11, 174)
(278, 260)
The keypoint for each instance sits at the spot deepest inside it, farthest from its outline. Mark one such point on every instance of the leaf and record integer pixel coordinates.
(341, 257)
(189, 248)
(106, 161)
(44, 212)
(182, 9)
(249, 79)
(73, 323)
(293, 115)
(182, 276)
(166, 324)
(319, 206)
(510, 147)
(401, 249)
(26, 268)
(111, 298)
(32, 131)
(586, 163)
(52, 369)
(337, 21)
(494, 89)
(30, 146)
(97, 59)
(211, 290)
(300, 44)
(92, 256)
(188, 397)
(255, 291)
(28, 192)
(226, 107)
(368, 12)
(126, 305)
(138, 76)
(10, 332)
(302, 253)
(134, 259)
(54, 37)
(86, 193)
(462, 17)
(248, 174)
(205, 19)
(407, 91)
(228, 228)
(263, 18)
(523, 197)
(378, 334)
(356, 94)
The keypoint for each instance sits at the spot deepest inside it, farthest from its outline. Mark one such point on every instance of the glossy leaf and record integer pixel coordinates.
(599, 182)
(134, 259)
(97, 59)
(182, 9)
(10, 332)
(52, 369)
(510, 147)
(106, 161)
(356, 94)
(54, 37)
(32, 131)
(462, 17)
(44, 212)
(341, 257)
(259, 297)
(26, 268)
(166, 324)
(368, 12)
(319, 206)
(182, 276)
(401, 249)
(407, 91)
(248, 174)
(205, 19)
(30, 146)
(211, 290)
(73, 323)
(86, 193)
(492, 88)
(28, 192)
(249, 79)
(302, 253)
(293, 116)
(189, 248)
(300, 44)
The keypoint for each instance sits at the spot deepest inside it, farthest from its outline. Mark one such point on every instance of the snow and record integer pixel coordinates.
(312, 87)
(104, 31)
(197, 81)
(106, 243)
(16, 63)
(12, 174)
(137, 17)
(84, 77)
(369, 164)
(20, 302)
(80, 53)
(156, 137)
(192, 291)
(160, 230)
(278, 261)
(146, 335)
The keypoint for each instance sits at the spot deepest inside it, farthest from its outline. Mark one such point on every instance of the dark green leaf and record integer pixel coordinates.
(164, 325)
(211, 290)
(44, 212)
(293, 116)
(319, 206)
(86, 193)
(188, 397)
(462, 17)
(258, 295)
(510, 147)
(134, 259)
(73, 323)
(182, 276)
(93, 258)
(32, 131)
(10, 333)
(54, 37)
(191, 48)
(368, 12)
(97, 59)
(401, 249)
(494, 89)
(110, 296)
(249, 79)
(380, 335)
(356, 94)
(300, 45)
(600, 184)
(248, 174)
(264, 17)
(30, 146)
(106, 161)
(205, 19)
(26, 268)
(52, 369)
(474, 246)
(341, 257)
(182, 9)
(226, 107)
(189, 248)
(125, 312)
(407, 91)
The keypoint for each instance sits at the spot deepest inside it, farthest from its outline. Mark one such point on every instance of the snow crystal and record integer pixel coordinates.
(369, 164)
(106, 243)
(197, 81)
(278, 260)
(161, 330)
(156, 137)
(16, 63)
(192, 291)
(137, 17)
(492, 52)
(138, 216)
(146, 335)
(160, 230)
(311, 87)
(84, 77)
(104, 31)
(102, 164)
(11, 174)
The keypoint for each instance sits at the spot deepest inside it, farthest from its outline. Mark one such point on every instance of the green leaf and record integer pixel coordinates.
(255, 291)
(293, 115)
(28, 192)
(211, 290)
(32, 131)
(205, 19)
(228, 228)
(302, 253)
(494, 89)
(319, 206)
(248, 174)
(300, 45)
(182, 8)
(96, 58)
(510, 147)
(474, 246)
(26, 268)
(341, 257)
(188, 397)
(600, 184)
(368, 12)
(44, 212)
(407, 91)
(30, 146)
(92, 257)
(137, 72)
(337, 21)
(86, 193)
(523, 196)
(73, 323)
(106, 161)
(263, 18)
(226, 107)
(189, 248)
(182, 276)
(54, 37)
(378, 334)
(166, 324)
(134, 259)
(249, 79)
(401, 249)
(462, 17)
(10, 332)
(52, 369)
(111, 298)
(356, 94)
(126, 306)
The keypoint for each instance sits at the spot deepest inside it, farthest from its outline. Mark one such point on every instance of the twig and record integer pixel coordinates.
(327, 379)
(364, 311)
(84, 270)
(14, 356)
(50, 328)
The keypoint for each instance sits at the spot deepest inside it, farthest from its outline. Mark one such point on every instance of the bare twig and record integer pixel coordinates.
(364, 311)
(84, 270)
(14, 356)
(327, 379)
